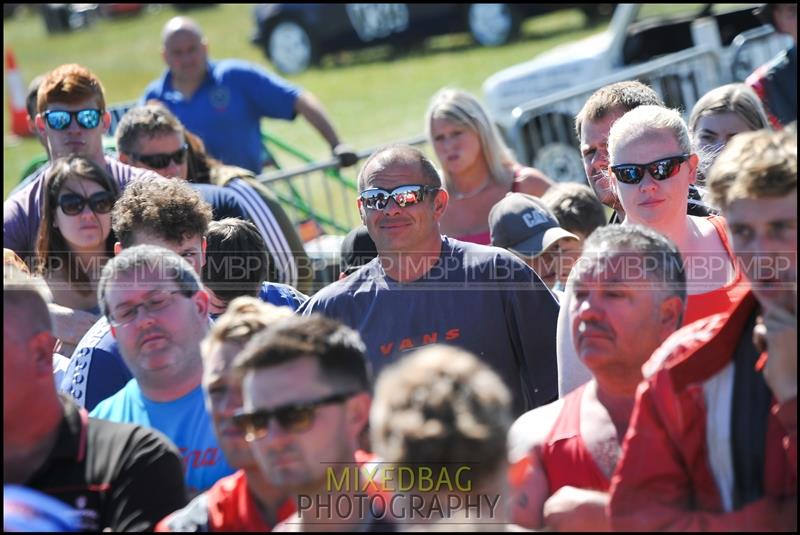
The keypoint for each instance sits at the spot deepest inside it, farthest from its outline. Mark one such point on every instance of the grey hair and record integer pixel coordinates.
(149, 120)
(662, 261)
(646, 119)
(464, 109)
(148, 259)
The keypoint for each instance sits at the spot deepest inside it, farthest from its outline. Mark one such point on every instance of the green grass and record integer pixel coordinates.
(372, 97)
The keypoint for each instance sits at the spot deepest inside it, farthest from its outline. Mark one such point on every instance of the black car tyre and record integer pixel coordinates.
(493, 24)
(290, 47)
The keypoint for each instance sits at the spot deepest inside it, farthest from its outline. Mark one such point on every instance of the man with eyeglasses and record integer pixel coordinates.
(119, 477)
(425, 288)
(306, 402)
(158, 312)
(150, 136)
(246, 500)
(71, 120)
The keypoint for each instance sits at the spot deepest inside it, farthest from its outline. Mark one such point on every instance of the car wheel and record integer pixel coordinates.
(290, 48)
(493, 24)
(561, 162)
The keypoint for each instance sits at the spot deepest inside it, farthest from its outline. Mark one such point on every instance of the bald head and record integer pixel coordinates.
(180, 25)
(24, 300)
(399, 155)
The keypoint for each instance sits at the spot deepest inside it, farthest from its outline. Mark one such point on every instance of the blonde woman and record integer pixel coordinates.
(478, 167)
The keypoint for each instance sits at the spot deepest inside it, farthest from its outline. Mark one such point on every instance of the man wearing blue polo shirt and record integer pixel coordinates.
(223, 101)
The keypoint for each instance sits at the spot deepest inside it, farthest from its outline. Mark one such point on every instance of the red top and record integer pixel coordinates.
(485, 237)
(701, 306)
(565, 457)
(231, 506)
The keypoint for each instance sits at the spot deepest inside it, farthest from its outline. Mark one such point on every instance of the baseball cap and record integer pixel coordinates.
(357, 250)
(524, 225)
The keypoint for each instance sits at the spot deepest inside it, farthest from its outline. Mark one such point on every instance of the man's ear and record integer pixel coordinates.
(38, 121)
(362, 211)
(357, 413)
(203, 246)
(41, 345)
(117, 248)
(672, 309)
(440, 203)
(202, 300)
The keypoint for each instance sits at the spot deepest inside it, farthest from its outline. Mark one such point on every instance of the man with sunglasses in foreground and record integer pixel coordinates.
(426, 288)
(306, 401)
(72, 120)
(158, 311)
(712, 443)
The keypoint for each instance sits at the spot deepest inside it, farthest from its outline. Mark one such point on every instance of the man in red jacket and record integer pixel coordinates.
(712, 443)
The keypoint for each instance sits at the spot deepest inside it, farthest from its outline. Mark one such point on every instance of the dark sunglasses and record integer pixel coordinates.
(378, 199)
(100, 203)
(161, 160)
(61, 119)
(293, 418)
(633, 173)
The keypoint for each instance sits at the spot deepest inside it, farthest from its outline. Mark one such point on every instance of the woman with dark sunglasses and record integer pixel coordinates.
(75, 241)
(652, 165)
(477, 166)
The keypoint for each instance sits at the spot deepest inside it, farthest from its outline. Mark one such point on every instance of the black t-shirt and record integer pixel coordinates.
(124, 477)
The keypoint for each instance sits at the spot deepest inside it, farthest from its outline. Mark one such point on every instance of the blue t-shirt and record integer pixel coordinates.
(96, 369)
(184, 421)
(480, 298)
(226, 110)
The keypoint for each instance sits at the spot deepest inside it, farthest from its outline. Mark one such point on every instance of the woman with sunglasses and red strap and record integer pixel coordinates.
(478, 168)
(75, 240)
(652, 164)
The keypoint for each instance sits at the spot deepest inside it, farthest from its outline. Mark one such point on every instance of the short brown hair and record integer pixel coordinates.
(623, 96)
(755, 165)
(441, 405)
(168, 209)
(576, 207)
(70, 84)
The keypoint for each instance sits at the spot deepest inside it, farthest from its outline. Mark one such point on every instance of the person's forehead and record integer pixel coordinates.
(647, 143)
(381, 174)
(161, 140)
(596, 130)
(289, 382)
(762, 210)
(138, 281)
(148, 238)
(90, 102)
(612, 265)
(78, 184)
(182, 37)
(218, 362)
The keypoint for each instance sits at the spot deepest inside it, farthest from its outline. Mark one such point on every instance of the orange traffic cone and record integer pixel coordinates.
(16, 97)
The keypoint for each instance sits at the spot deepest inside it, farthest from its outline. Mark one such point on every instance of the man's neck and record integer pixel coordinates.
(176, 389)
(267, 496)
(618, 399)
(26, 451)
(188, 86)
(412, 266)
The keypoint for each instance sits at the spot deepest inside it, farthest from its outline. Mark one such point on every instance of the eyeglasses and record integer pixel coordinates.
(378, 199)
(61, 119)
(157, 301)
(632, 173)
(293, 418)
(161, 160)
(100, 203)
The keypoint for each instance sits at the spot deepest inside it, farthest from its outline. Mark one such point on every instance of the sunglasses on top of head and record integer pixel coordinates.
(633, 173)
(378, 199)
(100, 203)
(161, 160)
(293, 418)
(61, 119)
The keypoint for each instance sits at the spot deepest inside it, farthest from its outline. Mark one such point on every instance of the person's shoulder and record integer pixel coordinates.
(157, 86)
(113, 406)
(531, 428)
(129, 438)
(191, 518)
(343, 290)
(280, 294)
(124, 172)
(474, 253)
(531, 181)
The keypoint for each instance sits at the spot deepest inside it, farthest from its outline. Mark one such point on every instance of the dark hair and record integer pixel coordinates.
(143, 259)
(237, 261)
(576, 207)
(338, 350)
(357, 250)
(52, 251)
(200, 162)
(168, 209)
